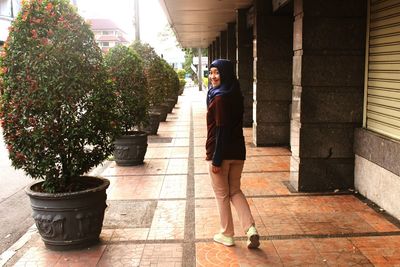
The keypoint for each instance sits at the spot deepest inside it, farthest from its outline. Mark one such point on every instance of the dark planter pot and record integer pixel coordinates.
(154, 123)
(162, 109)
(171, 104)
(130, 149)
(181, 90)
(70, 220)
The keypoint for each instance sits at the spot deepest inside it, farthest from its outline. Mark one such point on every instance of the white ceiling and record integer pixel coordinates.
(197, 23)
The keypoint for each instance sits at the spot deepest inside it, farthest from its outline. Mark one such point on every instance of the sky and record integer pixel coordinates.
(152, 20)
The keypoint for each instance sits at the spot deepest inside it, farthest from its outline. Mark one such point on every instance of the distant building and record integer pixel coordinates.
(107, 33)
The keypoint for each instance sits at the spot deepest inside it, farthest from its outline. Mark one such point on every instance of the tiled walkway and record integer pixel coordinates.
(163, 212)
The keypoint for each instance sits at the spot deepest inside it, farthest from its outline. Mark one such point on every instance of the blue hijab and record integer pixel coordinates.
(228, 80)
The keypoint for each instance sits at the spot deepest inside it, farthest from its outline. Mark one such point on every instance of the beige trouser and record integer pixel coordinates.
(226, 186)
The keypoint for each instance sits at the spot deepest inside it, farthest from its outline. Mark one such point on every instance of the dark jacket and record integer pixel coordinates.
(225, 127)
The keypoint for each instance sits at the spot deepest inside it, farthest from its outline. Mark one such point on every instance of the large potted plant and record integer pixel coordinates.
(182, 82)
(153, 68)
(171, 85)
(56, 112)
(129, 84)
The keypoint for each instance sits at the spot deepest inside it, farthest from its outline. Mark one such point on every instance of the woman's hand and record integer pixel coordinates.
(216, 169)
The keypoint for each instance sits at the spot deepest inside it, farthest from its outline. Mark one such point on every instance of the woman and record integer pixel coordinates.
(226, 151)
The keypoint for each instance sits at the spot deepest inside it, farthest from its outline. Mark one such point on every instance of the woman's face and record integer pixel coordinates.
(214, 77)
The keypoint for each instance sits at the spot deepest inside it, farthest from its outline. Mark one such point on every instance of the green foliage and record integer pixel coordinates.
(170, 80)
(153, 67)
(189, 54)
(182, 83)
(56, 108)
(205, 81)
(181, 73)
(129, 84)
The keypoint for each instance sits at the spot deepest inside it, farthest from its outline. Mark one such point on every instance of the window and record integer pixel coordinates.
(105, 44)
(107, 32)
(6, 8)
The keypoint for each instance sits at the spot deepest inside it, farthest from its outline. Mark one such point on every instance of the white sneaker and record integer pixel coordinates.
(253, 238)
(225, 240)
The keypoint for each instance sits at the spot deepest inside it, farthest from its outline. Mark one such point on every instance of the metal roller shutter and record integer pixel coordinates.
(383, 82)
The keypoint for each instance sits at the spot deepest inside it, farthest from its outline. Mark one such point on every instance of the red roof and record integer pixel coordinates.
(103, 24)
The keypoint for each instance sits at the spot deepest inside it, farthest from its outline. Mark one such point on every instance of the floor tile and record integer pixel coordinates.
(382, 250)
(135, 187)
(122, 255)
(213, 254)
(162, 255)
(174, 186)
(130, 234)
(41, 256)
(169, 220)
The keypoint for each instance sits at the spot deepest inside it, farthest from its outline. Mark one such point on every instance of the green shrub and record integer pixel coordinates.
(170, 80)
(129, 84)
(56, 108)
(181, 74)
(153, 69)
(205, 81)
(182, 83)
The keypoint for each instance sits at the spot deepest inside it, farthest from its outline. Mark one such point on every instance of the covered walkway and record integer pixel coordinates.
(163, 212)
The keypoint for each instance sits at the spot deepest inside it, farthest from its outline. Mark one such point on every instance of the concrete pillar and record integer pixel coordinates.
(209, 49)
(244, 64)
(223, 44)
(217, 47)
(214, 49)
(272, 88)
(328, 77)
(231, 42)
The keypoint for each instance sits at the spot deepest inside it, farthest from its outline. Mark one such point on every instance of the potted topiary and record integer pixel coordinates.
(171, 83)
(57, 116)
(153, 68)
(130, 87)
(181, 75)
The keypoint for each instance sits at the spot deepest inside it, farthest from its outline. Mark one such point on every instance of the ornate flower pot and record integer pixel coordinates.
(130, 149)
(154, 123)
(70, 220)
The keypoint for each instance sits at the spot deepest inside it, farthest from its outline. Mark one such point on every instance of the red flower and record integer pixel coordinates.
(20, 156)
(24, 16)
(34, 33)
(49, 6)
(10, 148)
(3, 70)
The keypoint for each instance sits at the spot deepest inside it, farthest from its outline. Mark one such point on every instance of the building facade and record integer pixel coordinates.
(8, 11)
(107, 33)
(321, 77)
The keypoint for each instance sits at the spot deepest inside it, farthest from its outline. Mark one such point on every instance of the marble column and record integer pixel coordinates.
(272, 86)
(327, 102)
(244, 63)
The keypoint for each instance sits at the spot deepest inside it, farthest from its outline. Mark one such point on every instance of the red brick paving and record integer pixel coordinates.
(296, 229)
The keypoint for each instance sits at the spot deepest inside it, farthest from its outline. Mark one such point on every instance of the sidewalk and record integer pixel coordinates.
(163, 213)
